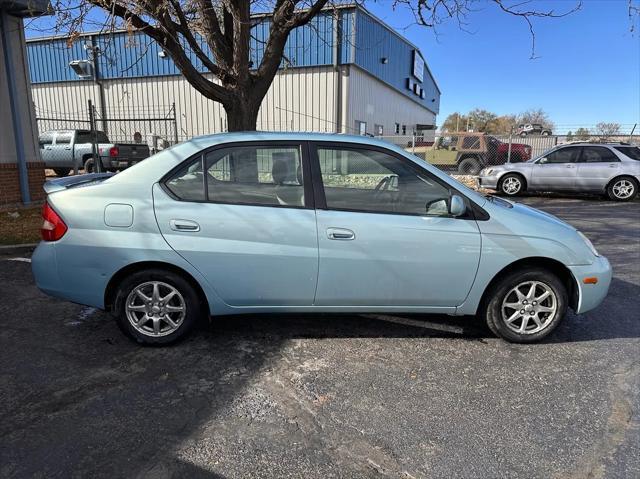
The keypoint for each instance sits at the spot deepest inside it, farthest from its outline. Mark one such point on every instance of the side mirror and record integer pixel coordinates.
(457, 207)
(542, 160)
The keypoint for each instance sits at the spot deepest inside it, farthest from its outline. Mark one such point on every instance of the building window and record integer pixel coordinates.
(361, 127)
(397, 130)
(404, 129)
(379, 129)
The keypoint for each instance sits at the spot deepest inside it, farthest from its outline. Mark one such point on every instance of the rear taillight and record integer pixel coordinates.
(53, 228)
(113, 151)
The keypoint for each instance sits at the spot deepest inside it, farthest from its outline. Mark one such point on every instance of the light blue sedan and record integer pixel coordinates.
(283, 222)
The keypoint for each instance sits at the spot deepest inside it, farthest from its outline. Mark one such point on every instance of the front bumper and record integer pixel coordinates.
(591, 295)
(490, 182)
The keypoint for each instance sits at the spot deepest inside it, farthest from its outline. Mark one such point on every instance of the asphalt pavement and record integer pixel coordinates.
(322, 396)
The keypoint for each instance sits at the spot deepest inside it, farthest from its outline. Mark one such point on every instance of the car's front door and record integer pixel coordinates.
(241, 216)
(557, 170)
(597, 165)
(384, 234)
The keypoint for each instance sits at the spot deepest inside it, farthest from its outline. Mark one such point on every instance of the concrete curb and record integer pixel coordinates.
(14, 249)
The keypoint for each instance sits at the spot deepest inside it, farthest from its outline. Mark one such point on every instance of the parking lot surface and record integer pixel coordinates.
(327, 395)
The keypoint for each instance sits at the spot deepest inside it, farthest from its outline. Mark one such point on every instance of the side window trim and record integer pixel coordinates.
(318, 185)
(200, 156)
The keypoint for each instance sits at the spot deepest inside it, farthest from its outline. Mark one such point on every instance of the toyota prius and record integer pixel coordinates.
(284, 222)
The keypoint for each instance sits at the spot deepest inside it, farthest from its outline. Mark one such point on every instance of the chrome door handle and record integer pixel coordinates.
(187, 226)
(613, 165)
(570, 166)
(340, 234)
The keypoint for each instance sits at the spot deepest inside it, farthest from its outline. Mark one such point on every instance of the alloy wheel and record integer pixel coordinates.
(155, 308)
(623, 189)
(511, 185)
(529, 307)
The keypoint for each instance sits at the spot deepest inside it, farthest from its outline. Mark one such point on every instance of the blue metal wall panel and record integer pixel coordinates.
(374, 42)
(347, 35)
(49, 60)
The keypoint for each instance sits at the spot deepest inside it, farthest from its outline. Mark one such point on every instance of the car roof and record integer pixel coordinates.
(218, 138)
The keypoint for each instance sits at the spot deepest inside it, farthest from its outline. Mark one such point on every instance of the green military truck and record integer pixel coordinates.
(469, 152)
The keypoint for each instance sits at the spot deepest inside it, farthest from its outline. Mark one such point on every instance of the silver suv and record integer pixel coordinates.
(611, 168)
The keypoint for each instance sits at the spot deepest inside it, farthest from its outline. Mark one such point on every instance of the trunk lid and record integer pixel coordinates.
(59, 184)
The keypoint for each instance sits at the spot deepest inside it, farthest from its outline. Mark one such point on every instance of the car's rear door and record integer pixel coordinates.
(557, 170)
(384, 239)
(598, 164)
(241, 214)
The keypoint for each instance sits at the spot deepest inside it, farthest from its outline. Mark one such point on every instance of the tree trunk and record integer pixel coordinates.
(242, 114)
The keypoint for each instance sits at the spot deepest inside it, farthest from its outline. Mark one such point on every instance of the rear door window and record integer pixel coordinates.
(63, 138)
(597, 154)
(255, 175)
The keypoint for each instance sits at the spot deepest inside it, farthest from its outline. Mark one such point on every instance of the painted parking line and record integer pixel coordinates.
(24, 260)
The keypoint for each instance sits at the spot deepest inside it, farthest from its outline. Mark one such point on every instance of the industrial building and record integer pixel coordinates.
(21, 169)
(345, 72)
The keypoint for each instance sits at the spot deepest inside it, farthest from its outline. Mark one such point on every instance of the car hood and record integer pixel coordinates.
(539, 214)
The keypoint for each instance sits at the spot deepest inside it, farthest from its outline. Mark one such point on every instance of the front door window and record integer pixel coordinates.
(377, 182)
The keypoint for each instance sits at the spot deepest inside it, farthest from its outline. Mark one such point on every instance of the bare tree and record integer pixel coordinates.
(605, 130)
(183, 27)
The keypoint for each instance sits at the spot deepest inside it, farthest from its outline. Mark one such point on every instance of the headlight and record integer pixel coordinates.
(589, 244)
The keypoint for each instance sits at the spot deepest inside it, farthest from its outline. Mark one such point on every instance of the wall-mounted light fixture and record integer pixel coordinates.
(384, 60)
(162, 54)
(83, 68)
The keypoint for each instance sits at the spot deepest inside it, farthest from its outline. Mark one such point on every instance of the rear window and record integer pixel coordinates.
(632, 152)
(85, 136)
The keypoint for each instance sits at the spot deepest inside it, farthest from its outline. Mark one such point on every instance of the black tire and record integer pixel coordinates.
(89, 166)
(187, 298)
(614, 190)
(491, 310)
(523, 134)
(61, 172)
(546, 133)
(509, 181)
(469, 166)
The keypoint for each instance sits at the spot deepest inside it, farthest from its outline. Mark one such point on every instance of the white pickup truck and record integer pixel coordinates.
(64, 150)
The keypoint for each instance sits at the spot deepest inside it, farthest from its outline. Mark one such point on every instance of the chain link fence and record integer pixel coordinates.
(99, 139)
(467, 153)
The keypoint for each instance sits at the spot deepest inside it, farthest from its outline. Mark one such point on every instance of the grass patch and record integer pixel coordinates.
(21, 225)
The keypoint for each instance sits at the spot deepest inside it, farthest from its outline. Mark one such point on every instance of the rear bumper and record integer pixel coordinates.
(72, 284)
(591, 295)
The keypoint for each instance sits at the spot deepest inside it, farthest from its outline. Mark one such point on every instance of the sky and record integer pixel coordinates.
(587, 68)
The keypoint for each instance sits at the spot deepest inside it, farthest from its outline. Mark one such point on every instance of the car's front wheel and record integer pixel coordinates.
(525, 306)
(624, 188)
(511, 184)
(156, 306)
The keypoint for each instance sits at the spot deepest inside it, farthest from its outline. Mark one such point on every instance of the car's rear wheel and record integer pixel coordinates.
(525, 306)
(469, 166)
(156, 306)
(624, 188)
(512, 184)
(546, 133)
(61, 172)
